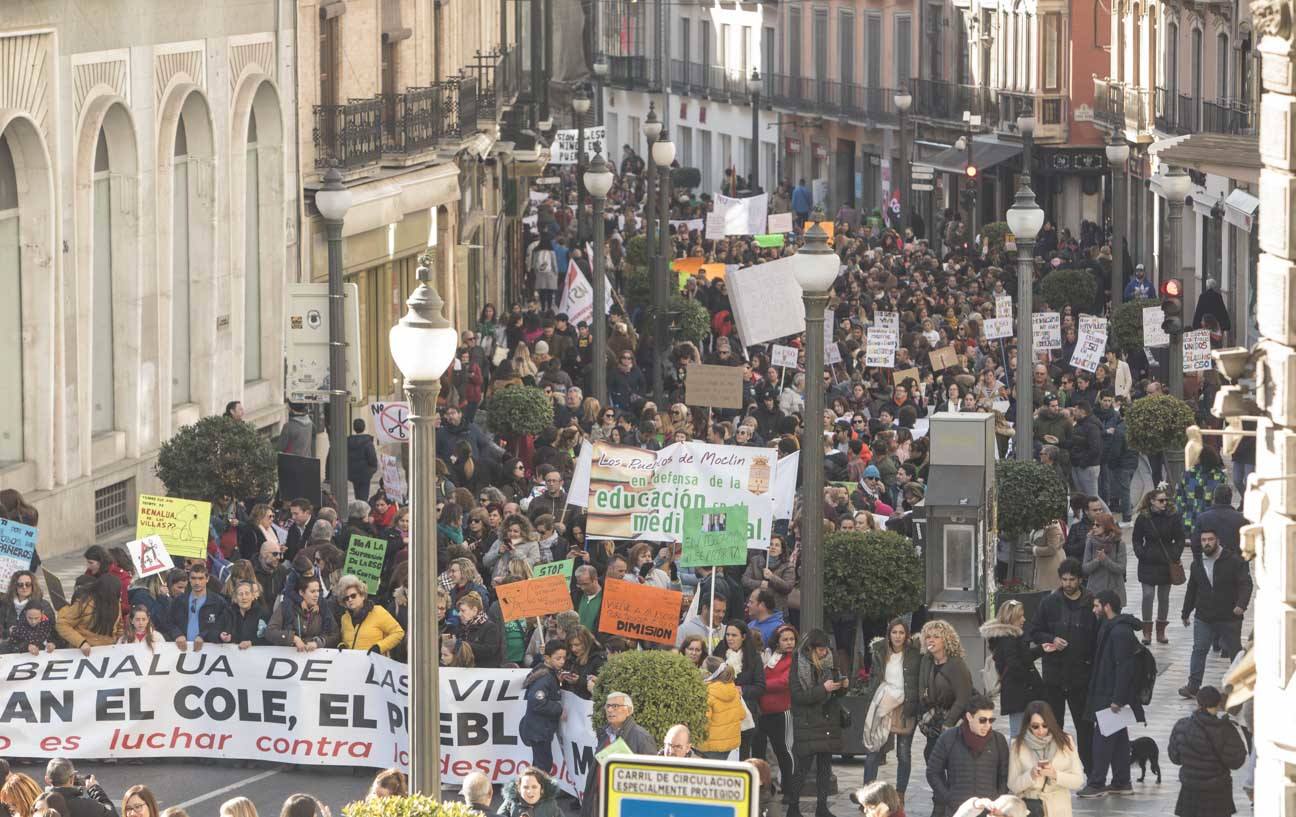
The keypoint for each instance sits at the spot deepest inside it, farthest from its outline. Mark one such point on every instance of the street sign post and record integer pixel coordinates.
(646, 786)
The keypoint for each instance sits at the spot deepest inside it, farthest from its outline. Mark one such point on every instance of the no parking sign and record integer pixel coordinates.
(390, 422)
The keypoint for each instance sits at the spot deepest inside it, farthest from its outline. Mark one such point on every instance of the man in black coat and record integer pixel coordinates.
(1222, 518)
(544, 706)
(1078, 533)
(84, 798)
(198, 615)
(1219, 589)
(362, 459)
(1065, 628)
(1086, 448)
(303, 519)
(1113, 685)
(1207, 748)
(969, 760)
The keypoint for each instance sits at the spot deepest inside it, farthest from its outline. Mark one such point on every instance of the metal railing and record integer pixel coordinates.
(507, 85)
(416, 119)
(1229, 116)
(483, 70)
(1109, 102)
(633, 72)
(350, 135)
(1137, 105)
(463, 99)
(946, 101)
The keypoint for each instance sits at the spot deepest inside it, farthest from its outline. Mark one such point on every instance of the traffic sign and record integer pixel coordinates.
(647, 786)
(920, 187)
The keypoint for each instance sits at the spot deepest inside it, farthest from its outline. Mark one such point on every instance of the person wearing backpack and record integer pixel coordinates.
(1219, 590)
(1207, 749)
(1115, 684)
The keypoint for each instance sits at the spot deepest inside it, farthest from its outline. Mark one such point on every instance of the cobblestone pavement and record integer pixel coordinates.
(1166, 708)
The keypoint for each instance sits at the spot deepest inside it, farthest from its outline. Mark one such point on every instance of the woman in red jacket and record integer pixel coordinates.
(777, 701)
(101, 563)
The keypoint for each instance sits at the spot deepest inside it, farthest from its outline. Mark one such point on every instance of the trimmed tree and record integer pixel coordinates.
(1158, 423)
(692, 320)
(1028, 496)
(1068, 286)
(874, 574)
(1127, 323)
(518, 411)
(412, 805)
(217, 456)
(666, 689)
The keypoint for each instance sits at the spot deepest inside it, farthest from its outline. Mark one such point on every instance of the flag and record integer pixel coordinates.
(578, 296)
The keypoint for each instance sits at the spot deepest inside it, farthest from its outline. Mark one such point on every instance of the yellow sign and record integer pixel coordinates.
(182, 524)
(640, 786)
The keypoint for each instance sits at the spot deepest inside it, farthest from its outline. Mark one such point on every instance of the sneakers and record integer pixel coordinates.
(1128, 788)
(1091, 791)
(1188, 692)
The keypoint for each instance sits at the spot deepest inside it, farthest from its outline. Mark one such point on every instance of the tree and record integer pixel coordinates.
(1127, 323)
(873, 575)
(1028, 496)
(517, 411)
(217, 456)
(411, 805)
(1069, 286)
(692, 321)
(1158, 423)
(665, 687)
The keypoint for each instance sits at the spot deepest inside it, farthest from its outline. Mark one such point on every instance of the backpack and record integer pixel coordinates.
(1145, 674)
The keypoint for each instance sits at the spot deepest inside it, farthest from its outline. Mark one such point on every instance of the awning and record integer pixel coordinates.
(1203, 201)
(1234, 157)
(986, 153)
(1240, 209)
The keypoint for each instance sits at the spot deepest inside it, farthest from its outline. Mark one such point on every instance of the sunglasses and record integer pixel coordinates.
(984, 721)
(350, 596)
(23, 584)
(1039, 725)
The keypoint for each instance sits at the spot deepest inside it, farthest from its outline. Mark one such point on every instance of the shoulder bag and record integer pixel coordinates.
(1177, 575)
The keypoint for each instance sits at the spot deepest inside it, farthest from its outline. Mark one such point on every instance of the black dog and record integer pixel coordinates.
(1144, 751)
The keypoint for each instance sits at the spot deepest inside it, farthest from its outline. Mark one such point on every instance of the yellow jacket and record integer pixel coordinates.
(74, 621)
(377, 628)
(724, 718)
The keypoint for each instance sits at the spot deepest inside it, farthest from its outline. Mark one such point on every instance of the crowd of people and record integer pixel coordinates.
(275, 575)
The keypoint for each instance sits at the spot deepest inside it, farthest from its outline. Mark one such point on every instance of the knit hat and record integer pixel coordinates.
(541, 347)
(872, 472)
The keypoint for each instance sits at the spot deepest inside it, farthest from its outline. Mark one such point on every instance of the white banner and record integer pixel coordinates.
(747, 216)
(1046, 329)
(578, 296)
(1088, 352)
(783, 356)
(330, 707)
(563, 149)
(1153, 335)
(691, 224)
(1196, 351)
(779, 223)
(753, 289)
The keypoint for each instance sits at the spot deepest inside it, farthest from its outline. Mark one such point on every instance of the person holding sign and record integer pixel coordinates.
(303, 625)
(365, 625)
(93, 618)
(544, 707)
(197, 616)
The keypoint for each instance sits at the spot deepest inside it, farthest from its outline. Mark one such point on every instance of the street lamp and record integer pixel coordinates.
(903, 102)
(1118, 159)
(1026, 127)
(423, 346)
(651, 130)
(580, 107)
(1025, 218)
(663, 153)
(598, 181)
(1175, 185)
(333, 200)
(754, 88)
(815, 270)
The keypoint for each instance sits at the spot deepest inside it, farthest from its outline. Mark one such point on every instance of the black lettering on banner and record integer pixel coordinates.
(52, 707)
(396, 717)
(470, 729)
(344, 711)
(283, 669)
(121, 705)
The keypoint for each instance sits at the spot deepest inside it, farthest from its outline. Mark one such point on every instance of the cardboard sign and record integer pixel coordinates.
(641, 612)
(364, 559)
(17, 547)
(1093, 324)
(942, 358)
(715, 536)
(149, 555)
(534, 597)
(182, 523)
(1089, 351)
(828, 227)
(390, 422)
(784, 356)
(751, 292)
(901, 375)
(996, 328)
(1196, 351)
(562, 568)
(714, 386)
(1046, 329)
(715, 225)
(779, 223)
(714, 271)
(747, 216)
(1003, 306)
(1153, 335)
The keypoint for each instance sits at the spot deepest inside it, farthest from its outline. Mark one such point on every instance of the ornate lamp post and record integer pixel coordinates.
(1025, 218)
(598, 181)
(333, 201)
(1118, 159)
(903, 102)
(663, 154)
(580, 107)
(754, 87)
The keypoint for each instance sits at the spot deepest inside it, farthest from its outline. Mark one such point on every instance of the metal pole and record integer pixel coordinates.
(1175, 263)
(1025, 425)
(600, 316)
(337, 470)
(755, 142)
(581, 232)
(812, 453)
(660, 353)
(1118, 234)
(547, 75)
(906, 206)
(423, 639)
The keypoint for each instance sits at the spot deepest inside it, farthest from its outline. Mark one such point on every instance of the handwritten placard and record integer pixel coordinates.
(942, 358)
(149, 556)
(783, 356)
(560, 568)
(1153, 335)
(1196, 351)
(1003, 306)
(1088, 351)
(714, 386)
(364, 559)
(17, 546)
(996, 328)
(534, 597)
(779, 223)
(714, 536)
(182, 523)
(639, 611)
(1046, 328)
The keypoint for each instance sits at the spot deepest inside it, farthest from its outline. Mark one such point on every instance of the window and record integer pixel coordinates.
(723, 50)
(745, 163)
(903, 49)
(180, 315)
(686, 38)
(726, 154)
(1222, 89)
(686, 146)
(873, 50)
(11, 408)
(252, 260)
(103, 416)
(112, 508)
(704, 40)
(821, 44)
(709, 180)
(328, 60)
(1172, 60)
(637, 137)
(745, 57)
(794, 42)
(960, 557)
(1196, 64)
(1051, 36)
(767, 51)
(846, 47)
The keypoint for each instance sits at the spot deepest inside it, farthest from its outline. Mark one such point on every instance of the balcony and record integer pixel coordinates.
(349, 136)
(483, 71)
(634, 73)
(687, 78)
(1109, 103)
(1228, 116)
(417, 120)
(942, 101)
(1049, 110)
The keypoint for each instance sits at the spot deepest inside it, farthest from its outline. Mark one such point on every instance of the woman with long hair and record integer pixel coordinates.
(1043, 764)
(585, 659)
(140, 629)
(93, 618)
(772, 712)
(896, 659)
(238, 807)
(740, 648)
(20, 793)
(256, 532)
(816, 688)
(694, 648)
(944, 681)
(22, 592)
(139, 801)
(1104, 557)
(1158, 542)
(1014, 659)
(389, 783)
(99, 562)
(772, 570)
(456, 653)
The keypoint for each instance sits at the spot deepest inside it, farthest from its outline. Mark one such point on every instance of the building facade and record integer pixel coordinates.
(148, 224)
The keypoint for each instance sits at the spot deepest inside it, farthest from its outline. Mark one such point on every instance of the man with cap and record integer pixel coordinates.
(1138, 287)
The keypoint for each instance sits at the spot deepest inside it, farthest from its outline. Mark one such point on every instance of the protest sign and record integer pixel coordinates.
(578, 296)
(779, 223)
(17, 546)
(1153, 335)
(364, 559)
(828, 227)
(715, 225)
(713, 386)
(901, 375)
(766, 240)
(996, 328)
(832, 354)
(688, 224)
(639, 611)
(783, 356)
(753, 289)
(534, 597)
(714, 271)
(182, 523)
(942, 358)
(149, 555)
(883, 336)
(1046, 329)
(1089, 351)
(563, 150)
(1093, 324)
(642, 495)
(714, 536)
(887, 320)
(537, 196)
(393, 479)
(880, 355)
(1196, 351)
(1003, 306)
(560, 568)
(390, 422)
(747, 216)
(689, 265)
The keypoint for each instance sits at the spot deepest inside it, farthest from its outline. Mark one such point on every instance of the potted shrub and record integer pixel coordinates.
(1028, 496)
(517, 413)
(666, 689)
(692, 320)
(1069, 286)
(1158, 423)
(217, 456)
(412, 805)
(875, 575)
(1127, 324)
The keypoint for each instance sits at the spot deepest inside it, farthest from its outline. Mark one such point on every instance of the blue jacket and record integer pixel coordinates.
(544, 707)
(802, 202)
(211, 617)
(1138, 289)
(767, 627)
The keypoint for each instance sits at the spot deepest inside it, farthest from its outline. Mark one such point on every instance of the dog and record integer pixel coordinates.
(1144, 752)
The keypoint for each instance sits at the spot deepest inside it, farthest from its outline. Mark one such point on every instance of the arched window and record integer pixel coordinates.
(103, 417)
(181, 380)
(1222, 89)
(11, 407)
(1172, 62)
(252, 260)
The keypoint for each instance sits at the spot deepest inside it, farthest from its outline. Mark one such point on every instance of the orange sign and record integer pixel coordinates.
(534, 597)
(713, 271)
(689, 265)
(637, 611)
(828, 228)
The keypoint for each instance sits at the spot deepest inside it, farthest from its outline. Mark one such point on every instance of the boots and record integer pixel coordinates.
(1147, 632)
(1160, 632)
(821, 808)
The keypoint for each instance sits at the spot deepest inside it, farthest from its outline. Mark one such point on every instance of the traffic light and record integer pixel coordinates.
(1172, 306)
(971, 170)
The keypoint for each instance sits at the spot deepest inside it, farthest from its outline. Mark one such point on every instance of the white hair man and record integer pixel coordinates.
(479, 794)
(619, 708)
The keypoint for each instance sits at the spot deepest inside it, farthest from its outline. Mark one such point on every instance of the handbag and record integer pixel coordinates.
(1035, 808)
(1177, 575)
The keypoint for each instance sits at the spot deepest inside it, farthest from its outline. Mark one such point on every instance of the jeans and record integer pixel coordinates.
(1086, 479)
(773, 728)
(1240, 472)
(1015, 722)
(1205, 634)
(1156, 463)
(1059, 698)
(904, 760)
(1162, 593)
(1112, 751)
(361, 488)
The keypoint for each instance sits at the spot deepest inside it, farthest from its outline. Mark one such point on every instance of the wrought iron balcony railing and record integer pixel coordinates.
(350, 135)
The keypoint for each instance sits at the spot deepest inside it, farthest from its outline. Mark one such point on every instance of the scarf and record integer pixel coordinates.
(481, 618)
(734, 659)
(358, 616)
(977, 743)
(806, 668)
(1043, 748)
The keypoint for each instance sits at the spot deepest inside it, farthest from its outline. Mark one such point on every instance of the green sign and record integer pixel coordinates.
(364, 560)
(616, 747)
(715, 536)
(770, 240)
(561, 568)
